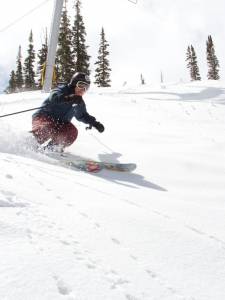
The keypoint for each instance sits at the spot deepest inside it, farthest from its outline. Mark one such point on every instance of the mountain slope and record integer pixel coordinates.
(157, 233)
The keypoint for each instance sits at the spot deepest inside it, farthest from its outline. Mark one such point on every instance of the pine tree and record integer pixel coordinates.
(192, 64)
(19, 71)
(102, 72)
(79, 42)
(189, 60)
(212, 61)
(12, 83)
(64, 57)
(42, 57)
(195, 68)
(29, 74)
(142, 80)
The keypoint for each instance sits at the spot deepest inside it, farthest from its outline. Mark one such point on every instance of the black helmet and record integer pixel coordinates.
(79, 76)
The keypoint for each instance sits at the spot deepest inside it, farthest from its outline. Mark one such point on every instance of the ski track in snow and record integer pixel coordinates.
(114, 278)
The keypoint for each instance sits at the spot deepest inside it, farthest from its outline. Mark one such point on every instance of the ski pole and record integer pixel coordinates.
(20, 112)
(101, 143)
(98, 140)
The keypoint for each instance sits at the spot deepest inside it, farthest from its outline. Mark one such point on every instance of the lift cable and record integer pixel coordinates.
(23, 16)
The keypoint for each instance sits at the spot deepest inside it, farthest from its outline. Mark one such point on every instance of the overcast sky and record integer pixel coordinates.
(146, 38)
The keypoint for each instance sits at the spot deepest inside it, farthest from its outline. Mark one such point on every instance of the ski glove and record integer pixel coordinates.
(98, 126)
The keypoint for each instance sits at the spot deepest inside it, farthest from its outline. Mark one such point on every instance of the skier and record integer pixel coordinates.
(51, 124)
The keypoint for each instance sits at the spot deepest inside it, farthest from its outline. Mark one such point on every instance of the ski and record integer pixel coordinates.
(88, 165)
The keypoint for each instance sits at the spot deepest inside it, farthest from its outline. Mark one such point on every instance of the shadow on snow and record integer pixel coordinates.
(131, 180)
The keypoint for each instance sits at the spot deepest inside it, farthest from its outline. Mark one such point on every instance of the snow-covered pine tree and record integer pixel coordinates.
(29, 74)
(19, 71)
(195, 68)
(102, 72)
(64, 57)
(12, 83)
(212, 61)
(42, 57)
(81, 56)
(192, 64)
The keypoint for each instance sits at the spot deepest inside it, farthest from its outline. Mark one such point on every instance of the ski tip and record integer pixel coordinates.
(133, 167)
(130, 167)
(119, 167)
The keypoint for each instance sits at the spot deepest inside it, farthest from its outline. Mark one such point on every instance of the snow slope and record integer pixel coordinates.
(157, 233)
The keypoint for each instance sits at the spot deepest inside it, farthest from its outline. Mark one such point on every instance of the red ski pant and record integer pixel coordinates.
(45, 128)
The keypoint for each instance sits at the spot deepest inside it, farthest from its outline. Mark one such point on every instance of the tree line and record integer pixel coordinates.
(71, 56)
(212, 62)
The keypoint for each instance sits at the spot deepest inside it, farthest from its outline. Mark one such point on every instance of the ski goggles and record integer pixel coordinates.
(83, 85)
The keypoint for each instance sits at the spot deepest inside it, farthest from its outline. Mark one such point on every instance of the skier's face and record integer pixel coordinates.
(81, 88)
(79, 91)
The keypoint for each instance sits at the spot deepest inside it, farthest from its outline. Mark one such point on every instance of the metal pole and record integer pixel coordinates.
(20, 112)
(53, 40)
(161, 77)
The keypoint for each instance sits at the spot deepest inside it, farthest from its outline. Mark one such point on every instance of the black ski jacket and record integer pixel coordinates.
(58, 107)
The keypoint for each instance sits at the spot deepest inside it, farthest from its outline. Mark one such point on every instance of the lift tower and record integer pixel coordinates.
(52, 45)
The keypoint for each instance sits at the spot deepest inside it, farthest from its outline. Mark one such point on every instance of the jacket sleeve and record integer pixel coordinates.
(82, 115)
